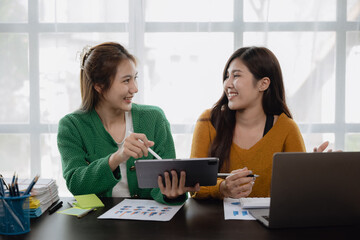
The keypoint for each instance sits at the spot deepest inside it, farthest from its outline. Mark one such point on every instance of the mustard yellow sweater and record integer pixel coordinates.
(284, 136)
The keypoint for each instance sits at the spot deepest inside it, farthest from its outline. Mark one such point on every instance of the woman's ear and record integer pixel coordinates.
(264, 84)
(98, 88)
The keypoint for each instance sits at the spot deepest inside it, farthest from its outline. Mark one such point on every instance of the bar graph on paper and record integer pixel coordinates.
(233, 210)
(146, 210)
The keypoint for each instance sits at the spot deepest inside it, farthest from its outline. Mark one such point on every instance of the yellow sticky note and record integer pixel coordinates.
(34, 203)
(75, 211)
(88, 201)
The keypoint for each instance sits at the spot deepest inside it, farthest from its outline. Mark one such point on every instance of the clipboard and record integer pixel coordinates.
(198, 170)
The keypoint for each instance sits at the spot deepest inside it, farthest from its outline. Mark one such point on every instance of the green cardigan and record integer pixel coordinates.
(85, 147)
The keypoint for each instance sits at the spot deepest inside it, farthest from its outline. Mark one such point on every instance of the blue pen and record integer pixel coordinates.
(17, 186)
(13, 179)
(2, 192)
(10, 190)
(3, 181)
(31, 185)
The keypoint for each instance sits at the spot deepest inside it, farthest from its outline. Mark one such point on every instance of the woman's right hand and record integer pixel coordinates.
(136, 145)
(237, 185)
(323, 146)
(175, 187)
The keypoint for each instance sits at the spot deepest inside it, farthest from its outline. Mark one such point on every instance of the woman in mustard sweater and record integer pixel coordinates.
(100, 142)
(249, 123)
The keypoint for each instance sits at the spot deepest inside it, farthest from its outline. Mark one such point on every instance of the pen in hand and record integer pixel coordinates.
(229, 174)
(151, 151)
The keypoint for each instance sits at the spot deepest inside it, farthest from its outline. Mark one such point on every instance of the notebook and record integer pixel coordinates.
(255, 202)
(313, 189)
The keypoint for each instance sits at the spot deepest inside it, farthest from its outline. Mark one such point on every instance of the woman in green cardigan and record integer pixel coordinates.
(99, 142)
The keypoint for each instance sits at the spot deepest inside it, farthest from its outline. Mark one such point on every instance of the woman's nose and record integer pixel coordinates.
(228, 83)
(133, 88)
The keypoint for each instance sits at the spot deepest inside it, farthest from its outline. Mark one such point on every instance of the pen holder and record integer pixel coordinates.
(14, 215)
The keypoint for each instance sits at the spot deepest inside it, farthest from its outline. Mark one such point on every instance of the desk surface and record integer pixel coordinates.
(195, 220)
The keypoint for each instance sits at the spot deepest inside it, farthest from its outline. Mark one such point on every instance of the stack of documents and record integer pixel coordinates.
(43, 194)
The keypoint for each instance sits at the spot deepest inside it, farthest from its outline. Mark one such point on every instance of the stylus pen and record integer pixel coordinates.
(154, 153)
(229, 174)
(151, 151)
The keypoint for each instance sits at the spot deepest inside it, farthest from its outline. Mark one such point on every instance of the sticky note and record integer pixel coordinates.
(88, 201)
(73, 211)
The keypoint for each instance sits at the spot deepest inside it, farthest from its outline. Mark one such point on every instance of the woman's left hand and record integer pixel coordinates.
(175, 188)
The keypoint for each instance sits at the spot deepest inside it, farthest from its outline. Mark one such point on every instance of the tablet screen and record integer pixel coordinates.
(198, 170)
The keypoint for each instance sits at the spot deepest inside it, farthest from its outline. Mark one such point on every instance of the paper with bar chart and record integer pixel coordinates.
(233, 210)
(148, 210)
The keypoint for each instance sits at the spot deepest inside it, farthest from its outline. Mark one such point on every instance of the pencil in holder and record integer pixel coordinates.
(14, 215)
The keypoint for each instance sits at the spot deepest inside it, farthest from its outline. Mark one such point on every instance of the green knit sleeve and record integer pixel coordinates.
(82, 176)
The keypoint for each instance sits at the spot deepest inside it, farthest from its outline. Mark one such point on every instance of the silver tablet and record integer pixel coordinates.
(198, 170)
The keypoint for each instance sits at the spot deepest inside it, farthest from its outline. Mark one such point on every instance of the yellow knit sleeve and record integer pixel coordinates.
(294, 141)
(203, 136)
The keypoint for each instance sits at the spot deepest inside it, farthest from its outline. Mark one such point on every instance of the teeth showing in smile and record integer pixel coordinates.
(232, 94)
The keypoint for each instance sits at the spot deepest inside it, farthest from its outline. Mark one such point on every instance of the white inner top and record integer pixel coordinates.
(121, 189)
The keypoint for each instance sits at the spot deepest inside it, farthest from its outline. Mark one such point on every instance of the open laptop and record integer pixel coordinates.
(313, 189)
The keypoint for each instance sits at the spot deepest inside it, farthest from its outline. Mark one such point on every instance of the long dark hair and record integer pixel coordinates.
(261, 62)
(99, 66)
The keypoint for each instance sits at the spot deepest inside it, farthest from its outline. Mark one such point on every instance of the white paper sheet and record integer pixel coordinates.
(233, 210)
(148, 210)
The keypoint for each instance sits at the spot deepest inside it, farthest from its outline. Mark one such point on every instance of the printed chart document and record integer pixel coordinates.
(233, 210)
(148, 210)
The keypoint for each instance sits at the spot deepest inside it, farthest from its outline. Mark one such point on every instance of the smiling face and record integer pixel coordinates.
(123, 88)
(240, 87)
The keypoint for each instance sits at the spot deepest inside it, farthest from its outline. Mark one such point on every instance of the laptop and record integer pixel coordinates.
(313, 189)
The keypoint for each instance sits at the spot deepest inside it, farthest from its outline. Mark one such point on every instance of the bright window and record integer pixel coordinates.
(182, 47)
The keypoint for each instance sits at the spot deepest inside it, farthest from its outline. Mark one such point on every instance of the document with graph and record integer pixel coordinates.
(146, 210)
(234, 211)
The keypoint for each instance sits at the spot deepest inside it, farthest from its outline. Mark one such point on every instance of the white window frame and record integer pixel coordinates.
(137, 28)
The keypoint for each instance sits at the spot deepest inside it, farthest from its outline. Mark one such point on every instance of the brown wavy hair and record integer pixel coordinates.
(99, 66)
(261, 62)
